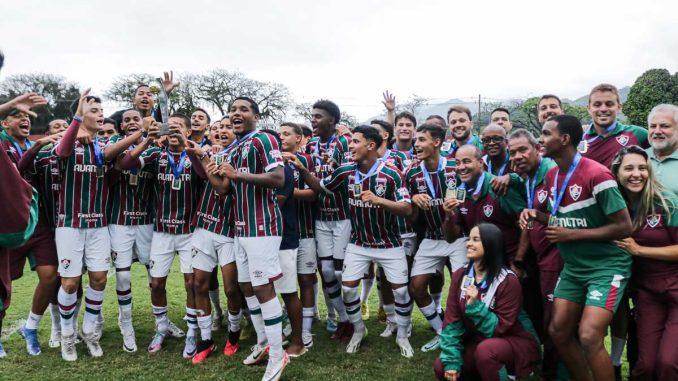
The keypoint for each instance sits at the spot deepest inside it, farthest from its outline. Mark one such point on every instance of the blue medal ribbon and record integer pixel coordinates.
(561, 191)
(472, 275)
(358, 177)
(530, 186)
(17, 147)
(507, 158)
(133, 171)
(605, 132)
(386, 154)
(326, 146)
(479, 186)
(427, 175)
(98, 153)
(410, 153)
(177, 170)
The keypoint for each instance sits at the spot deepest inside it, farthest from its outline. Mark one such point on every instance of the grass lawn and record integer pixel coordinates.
(378, 358)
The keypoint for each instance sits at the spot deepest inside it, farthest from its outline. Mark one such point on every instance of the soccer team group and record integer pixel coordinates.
(545, 238)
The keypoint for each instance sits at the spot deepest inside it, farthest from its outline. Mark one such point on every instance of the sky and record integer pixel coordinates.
(350, 51)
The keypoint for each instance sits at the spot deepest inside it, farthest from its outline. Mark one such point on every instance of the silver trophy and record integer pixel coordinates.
(163, 104)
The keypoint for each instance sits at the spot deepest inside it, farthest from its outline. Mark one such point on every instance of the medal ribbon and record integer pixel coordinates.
(530, 186)
(561, 191)
(427, 176)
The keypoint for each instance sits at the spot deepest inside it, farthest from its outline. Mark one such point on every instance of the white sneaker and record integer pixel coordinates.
(274, 370)
(432, 345)
(175, 331)
(190, 347)
(355, 342)
(405, 347)
(391, 329)
(68, 352)
(259, 353)
(307, 339)
(55, 338)
(92, 342)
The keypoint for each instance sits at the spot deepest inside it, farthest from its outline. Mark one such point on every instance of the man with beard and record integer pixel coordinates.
(200, 121)
(549, 105)
(460, 124)
(501, 117)
(144, 102)
(663, 133)
(606, 136)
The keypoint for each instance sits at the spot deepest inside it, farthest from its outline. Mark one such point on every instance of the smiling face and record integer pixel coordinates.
(106, 131)
(662, 132)
(524, 156)
(550, 140)
(199, 122)
(494, 141)
(469, 167)
(243, 119)
(460, 125)
(360, 147)
(474, 247)
(131, 122)
(143, 100)
(56, 126)
(289, 139)
(547, 108)
(633, 173)
(603, 108)
(18, 125)
(404, 129)
(425, 146)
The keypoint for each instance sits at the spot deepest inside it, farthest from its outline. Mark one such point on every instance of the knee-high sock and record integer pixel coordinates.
(93, 302)
(32, 321)
(161, 319)
(436, 300)
(272, 314)
(191, 321)
(216, 302)
(403, 307)
(257, 319)
(365, 292)
(333, 289)
(389, 310)
(56, 317)
(123, 288)
(234, 320)
(307, 314)
(331, 315)
(616, 350)
(431, 314)
(205, 325)
(352, 302)
(67, 304)
(316, 311)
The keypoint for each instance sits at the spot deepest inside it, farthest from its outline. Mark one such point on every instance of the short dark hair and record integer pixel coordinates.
(434, 130)
(209, 120)
(253, 104)
(74, 104)
(502, 109)
(493, 245)
(605, 87)
(370, 133)
(523, 133)
(138, 87)
(295, 127)
(569, 125)
(113, 122)
(460, 109)
(406, 115)
(477, 152)
(308, 132)
(183, 117)
(438, 118)
(386, 126)
(550, 96)
(330, 107)
(224, 117)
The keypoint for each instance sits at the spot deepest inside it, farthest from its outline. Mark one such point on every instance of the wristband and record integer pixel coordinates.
(77, 119)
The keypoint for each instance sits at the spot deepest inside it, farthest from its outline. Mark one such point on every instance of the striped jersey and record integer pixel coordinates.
(372, 226)
(305, 209)
(214, 212)
(174, 207)
(400, 161)
(591, 195)
(603, 150)
(47, 180)
(256, 209)
(441, 181)
(331, 206)
(83, 197)
(133, 195)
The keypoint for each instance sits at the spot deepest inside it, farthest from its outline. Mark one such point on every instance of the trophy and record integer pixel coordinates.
(158, 90)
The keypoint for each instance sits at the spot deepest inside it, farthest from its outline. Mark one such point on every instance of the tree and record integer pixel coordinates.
(653, 87)
(123, 87)
(348, 119)
(59, 93)
(524, 114)
(412, 104)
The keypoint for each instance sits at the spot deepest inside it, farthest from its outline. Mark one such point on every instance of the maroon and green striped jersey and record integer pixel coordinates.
(400, 161)
(174, 207)
(215, 212)
(372, 226)
(441, 181)
(256, 209)
(83, 197)
(304, 208)
(331, 206)
(47, 180)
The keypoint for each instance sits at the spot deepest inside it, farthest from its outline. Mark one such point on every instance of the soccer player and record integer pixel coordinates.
(144, 101)
(460, 124)
(200, 121)
(108, 130)
(586, 213)
(405, 124)
(56, 126)
(377, 196)
(524, 150)
(332, 226)
(501, 117)
(308, 134)
(549, 105)
(254, 169)
(429, 183)
(178, 183)
(663, 134)
(291, 142)
(607, 136)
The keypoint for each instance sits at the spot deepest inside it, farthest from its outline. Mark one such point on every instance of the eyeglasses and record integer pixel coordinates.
(492, 139)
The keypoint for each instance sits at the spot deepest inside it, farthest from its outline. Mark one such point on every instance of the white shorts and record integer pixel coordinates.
(76, 248)
(163, 248)
(358, 260)
(332, 237)
(409, 243)
(307, 263)
(287, 284)
(433, 254)
(257, 259)
(211, 249)
(128, 242)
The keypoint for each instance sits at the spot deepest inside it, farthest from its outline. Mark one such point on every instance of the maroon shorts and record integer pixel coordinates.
(40, 250)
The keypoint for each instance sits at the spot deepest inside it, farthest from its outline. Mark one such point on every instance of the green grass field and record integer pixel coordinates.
(378, 358)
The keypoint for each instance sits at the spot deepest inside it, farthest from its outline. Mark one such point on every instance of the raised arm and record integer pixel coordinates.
(65, 146)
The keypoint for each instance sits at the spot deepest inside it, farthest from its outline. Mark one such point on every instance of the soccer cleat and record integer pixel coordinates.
(129, 340)
(175, 331)
(55, 338)
(307, 339)
(405, 347)
(391, 329)
(92, 342)
(68, 352)
(432, 345)
(274, 370)
(355, 342)
(156, 343)
(245, 331)
(365, 311)
(190, 347)
(259, 353)
(381, 315)
(99, 326)
(217, 321)
(231, 349)
(3, 354)
(32, 343)
(205, 349)
(331, 326)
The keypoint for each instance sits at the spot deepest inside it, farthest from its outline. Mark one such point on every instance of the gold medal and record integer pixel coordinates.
(357, 189)
(530, 224)
(583, 146)
(461, 195)
(218, 159)
(553, 221)
(133, 179)
(466, 282)
(450, 193)
(154, 89)
(176, 184)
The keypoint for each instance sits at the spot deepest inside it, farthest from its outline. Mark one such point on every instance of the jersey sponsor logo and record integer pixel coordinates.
(541, 195)
(211, 219)
(244, 169)
(487, 210)
(622, 139)
(572, 222)
(86, 168)
(360, 204)
(575, 191)
(653, 220)
(55, 171)
(170, 177)
(90, 217)
(463, 211)
(595, 295)
(134, 214)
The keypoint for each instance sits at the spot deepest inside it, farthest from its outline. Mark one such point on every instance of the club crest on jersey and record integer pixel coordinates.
(65, 263)
(541, 195)
(622, 139)
(488, 209)
(575, 192)
(246, 148)
(275, 154)
(380, 188)
(451, 182)
(653, 220)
